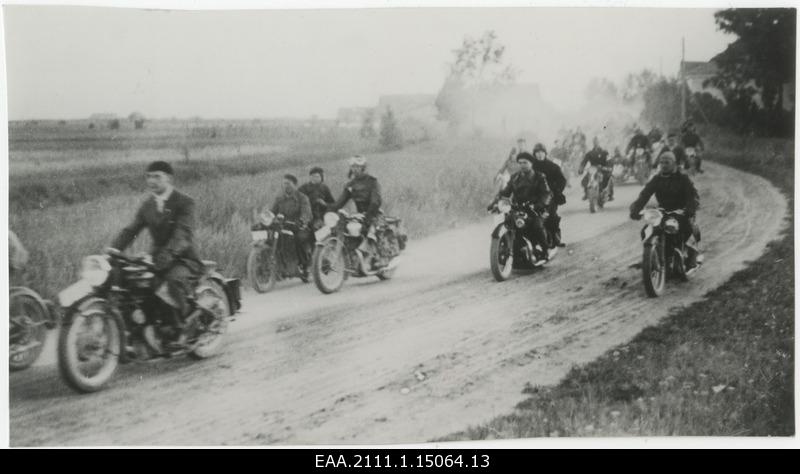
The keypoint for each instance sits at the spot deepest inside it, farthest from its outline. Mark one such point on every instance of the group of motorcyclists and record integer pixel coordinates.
(541, 182)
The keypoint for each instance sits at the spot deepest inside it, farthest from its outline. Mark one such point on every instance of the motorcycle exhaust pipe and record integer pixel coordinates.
(393, 263)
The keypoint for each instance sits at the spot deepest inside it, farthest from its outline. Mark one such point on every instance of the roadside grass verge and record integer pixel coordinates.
(431, 186)
(722, 367)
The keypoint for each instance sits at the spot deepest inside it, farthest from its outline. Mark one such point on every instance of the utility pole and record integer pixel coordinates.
(683, 81)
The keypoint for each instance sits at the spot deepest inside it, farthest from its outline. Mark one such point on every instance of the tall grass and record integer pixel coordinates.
(431, 186)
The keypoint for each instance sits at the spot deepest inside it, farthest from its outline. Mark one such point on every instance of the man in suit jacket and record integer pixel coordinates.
(169, 217)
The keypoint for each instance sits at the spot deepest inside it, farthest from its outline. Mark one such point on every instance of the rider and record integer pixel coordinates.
(672, 145)
(674, 190)
(365, 192)
(655, 135)
(597, 157)
(318, 194)
(529, 186)
(639, 140)
(690, 138)
(169, 216)
(294, 206)
(556, 182)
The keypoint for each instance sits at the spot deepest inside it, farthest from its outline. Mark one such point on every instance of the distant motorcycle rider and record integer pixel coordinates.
(597, 157)
(169, 216)
(639, 140)
(365, 192)
(319, 195)
(295, 207)
(673, 190)
(690, 138)
(556, 181)
(529, 186)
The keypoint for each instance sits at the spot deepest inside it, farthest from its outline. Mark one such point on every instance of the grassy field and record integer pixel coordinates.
(53, 165)
(721, 367)
(432, 186)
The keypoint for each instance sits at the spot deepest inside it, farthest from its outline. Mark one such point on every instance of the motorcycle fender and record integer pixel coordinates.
(232, 288)
(647, 233)
(499, 231)
(52, 317)
(81, 306)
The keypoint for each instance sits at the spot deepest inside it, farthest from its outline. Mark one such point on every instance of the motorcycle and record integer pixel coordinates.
(342, 250)
(113, 315)
(665, 251)
(598, 195)
(510, 248)
(273, 256)
(30, 316)
(620, 173)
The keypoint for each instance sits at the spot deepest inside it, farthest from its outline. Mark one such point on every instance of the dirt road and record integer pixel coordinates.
(438, 348)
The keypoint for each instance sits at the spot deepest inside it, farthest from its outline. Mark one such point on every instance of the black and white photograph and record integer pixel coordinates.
(393, 223)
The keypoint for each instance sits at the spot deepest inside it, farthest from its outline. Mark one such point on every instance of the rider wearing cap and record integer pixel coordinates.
(529, 186)
(557, 182)
(597, 157)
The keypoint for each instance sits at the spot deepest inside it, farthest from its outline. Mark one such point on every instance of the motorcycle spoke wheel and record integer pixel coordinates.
(89, 350)
(27, 332)
(329, 268)
(211, 297)
(502, 257)
(261, 269)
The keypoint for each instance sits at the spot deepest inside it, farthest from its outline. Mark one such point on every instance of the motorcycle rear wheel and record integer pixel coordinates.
(28, 318)
(211, 341)
(653, 270)
(72, 348)
(501, 257)
(262, 279)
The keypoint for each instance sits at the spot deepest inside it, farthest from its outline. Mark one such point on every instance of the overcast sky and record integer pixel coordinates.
(70, 62)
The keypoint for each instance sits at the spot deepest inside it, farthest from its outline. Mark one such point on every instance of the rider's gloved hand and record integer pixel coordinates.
(490, 207)
(111, 251)
(635, 215)
(163, 260)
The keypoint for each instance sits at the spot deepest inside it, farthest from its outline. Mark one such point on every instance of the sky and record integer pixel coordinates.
(71, 62)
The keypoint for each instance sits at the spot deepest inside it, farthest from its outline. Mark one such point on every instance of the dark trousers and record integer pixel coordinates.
(304, 243)
(553, 223)
(535, 231)
(178, 287)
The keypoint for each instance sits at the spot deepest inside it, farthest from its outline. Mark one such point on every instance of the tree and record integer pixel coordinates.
(477, 63)
(759, 62)
(390, 132)
(634, 85)
(601, 89)
(662, 102)
(368, 125)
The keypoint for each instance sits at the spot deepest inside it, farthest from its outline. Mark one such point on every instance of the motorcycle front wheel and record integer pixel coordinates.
(653, 270)
(501, 256)
(211, 296)
(593, 200)
(89, 347)
(27, 331)
(261, 269)
(328, 267)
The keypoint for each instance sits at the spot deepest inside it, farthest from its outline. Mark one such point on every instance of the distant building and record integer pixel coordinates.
(353, 117)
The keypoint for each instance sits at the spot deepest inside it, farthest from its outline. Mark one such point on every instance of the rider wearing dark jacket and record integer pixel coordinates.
(557, 182)
(679, 152)
(529, 186)
(365, 192)
(673, 190)
(690, 138)
(639, 140)
(597, 157)
(319, 195)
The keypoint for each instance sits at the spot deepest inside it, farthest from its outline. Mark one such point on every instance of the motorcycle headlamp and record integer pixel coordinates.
(331, 219)
(671, 226)
(639, 151)
(520, 222)
(95, 269)
(266, 217)
(690, 151)
(354, 228)
(652, 216)
(504, 206)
